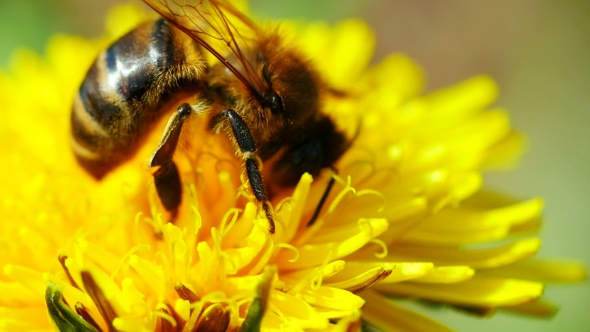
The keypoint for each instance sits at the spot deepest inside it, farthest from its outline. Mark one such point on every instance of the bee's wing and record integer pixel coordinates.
(220, 28)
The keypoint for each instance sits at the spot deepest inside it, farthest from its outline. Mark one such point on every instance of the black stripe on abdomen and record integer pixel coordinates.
(139, 58)
(99, 98)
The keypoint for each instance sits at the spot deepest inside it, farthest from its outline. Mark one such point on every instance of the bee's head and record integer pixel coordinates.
(292, 87)
(276, 88)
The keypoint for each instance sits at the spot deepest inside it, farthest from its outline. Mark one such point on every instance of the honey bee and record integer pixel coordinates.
(264, 94)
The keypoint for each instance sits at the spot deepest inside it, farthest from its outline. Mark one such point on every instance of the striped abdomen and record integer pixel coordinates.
(127, 89)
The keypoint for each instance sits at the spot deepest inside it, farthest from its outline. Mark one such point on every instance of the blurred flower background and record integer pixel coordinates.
(536, 49)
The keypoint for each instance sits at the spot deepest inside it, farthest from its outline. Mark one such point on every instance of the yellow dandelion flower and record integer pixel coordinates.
(406, 218)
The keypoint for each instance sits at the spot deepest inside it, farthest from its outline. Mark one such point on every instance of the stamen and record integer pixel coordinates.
(383, 246)
(376, 193)
(379, 275)
(216, 318)
(269, 217)
(165, 321)
(125, 259)
(83, 312)
(185, 293)
(198, 219)
(243, 189)
(62, 260)
(231, 267)
(289, 247)
(347, 188)
(192, 193)
(226, 222)
(316, 282)
(104, 307)
(311, 279)
(363, 169)
(136, 222)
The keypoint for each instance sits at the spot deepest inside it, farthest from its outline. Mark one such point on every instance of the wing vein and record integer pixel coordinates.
(221, 30)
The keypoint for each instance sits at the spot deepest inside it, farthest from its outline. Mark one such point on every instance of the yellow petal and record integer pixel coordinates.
(293, 312)
(506, 153)
(315, 254)
(151, 273)
(14, 293)
(464, 98)
(323, 46)
(134, 298)
(542, 270)
(123, 18)
(483, 292)
(475, 258)
(399, 77)
(326, 271)
(402, 271)
(241, 228)
(24, 319)
(363, 280)
(130, 324)
(330, 297)
(297, 204)
(27, 277)
(447, 275)
(385, 314)
(455, 226)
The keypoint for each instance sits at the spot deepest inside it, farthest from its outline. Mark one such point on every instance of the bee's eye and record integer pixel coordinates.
(271, 99)
(274, 102)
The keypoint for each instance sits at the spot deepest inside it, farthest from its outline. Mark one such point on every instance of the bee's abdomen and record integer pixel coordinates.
(125, 92)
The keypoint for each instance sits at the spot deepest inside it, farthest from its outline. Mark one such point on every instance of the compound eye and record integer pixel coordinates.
(274, 102)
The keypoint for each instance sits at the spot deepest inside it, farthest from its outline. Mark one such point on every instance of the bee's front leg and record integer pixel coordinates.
(245, 141)
(167, 178)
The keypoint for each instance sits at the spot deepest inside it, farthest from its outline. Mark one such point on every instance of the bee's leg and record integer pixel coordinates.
(322, 147)
(247, 147)
(166, 178)
(318, 209)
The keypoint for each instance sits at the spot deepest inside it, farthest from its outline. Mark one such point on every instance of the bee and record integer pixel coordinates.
(262, 93)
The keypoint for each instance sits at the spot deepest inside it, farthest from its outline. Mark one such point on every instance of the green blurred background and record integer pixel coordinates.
(539, 52)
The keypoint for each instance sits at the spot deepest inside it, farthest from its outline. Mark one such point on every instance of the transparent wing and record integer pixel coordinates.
(220, 28)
